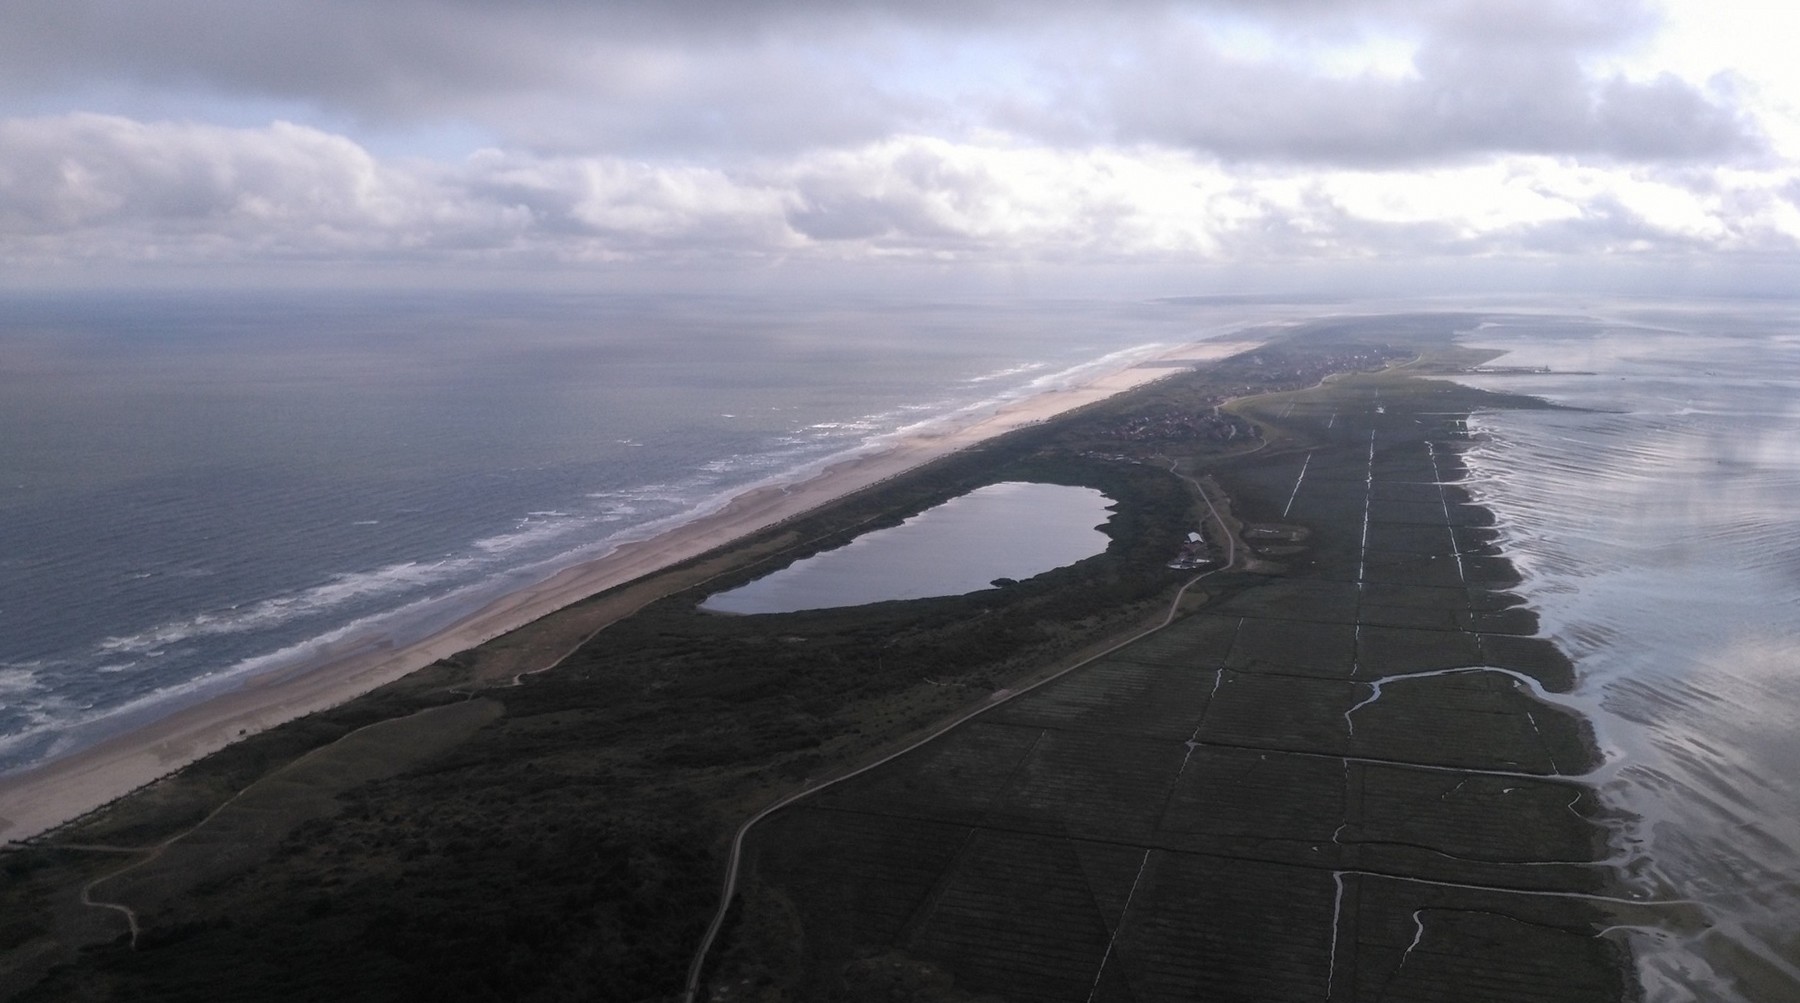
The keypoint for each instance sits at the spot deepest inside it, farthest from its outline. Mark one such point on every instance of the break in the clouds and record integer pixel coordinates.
(985, 130)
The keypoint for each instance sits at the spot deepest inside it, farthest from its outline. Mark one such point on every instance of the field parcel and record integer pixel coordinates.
(1340, 773)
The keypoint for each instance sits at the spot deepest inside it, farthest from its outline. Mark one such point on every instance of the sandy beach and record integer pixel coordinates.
(36, 800)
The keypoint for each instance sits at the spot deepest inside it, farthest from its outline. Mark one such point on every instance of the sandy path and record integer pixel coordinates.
(42, 798)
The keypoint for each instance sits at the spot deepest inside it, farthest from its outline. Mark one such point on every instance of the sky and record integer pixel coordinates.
(1207, 145)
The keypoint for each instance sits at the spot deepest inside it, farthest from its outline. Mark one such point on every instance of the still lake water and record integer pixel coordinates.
(1010, 530)
(1659, 537)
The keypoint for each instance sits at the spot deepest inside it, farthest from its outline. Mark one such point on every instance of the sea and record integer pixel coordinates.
(199, 488)
(1656, 524)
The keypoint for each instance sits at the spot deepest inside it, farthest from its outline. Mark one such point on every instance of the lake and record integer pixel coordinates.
(1010, 530)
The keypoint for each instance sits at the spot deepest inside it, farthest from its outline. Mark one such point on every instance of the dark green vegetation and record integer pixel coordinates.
(1282, 796)
(564, 838)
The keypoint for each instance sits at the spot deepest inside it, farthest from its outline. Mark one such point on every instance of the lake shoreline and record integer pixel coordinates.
(43, 797)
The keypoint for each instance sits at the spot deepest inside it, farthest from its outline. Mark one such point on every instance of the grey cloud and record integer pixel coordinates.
(620, 207)
(554, 77)
(769, 99)
(89, 186)
(103, 186)
(914, 199)
(1465, 98)
(87, 170)
(398, 58)
(1667, 118)
(1580, 24)
(1605, 226)
(1320, 228)
(714, 79)
(97, 188)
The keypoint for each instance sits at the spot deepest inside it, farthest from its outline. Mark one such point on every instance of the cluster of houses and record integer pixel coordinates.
(1207, 426)
(1276, 369)
(1196, 553)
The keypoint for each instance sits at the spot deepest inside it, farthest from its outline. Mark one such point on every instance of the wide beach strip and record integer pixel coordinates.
(646, 756)
(35, 800)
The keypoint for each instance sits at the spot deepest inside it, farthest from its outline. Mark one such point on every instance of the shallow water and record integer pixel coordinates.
(1659, 537)
(1011, 530)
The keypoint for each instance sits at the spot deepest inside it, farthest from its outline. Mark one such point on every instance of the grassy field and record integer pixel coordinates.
(1219, 808)
(1332, 781)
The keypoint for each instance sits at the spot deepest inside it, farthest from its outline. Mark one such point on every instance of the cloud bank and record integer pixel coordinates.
(465, 131)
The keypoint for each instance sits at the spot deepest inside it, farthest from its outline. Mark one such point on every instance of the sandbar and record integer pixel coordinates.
(38, 799)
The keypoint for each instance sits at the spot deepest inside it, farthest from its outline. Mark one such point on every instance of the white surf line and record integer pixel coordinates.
(1110, 941)
(1332, 420)
(1443, 500)
(1296, 491)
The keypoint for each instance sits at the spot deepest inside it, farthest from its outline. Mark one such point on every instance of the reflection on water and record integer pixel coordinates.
(1660, 541)
(1010, 530)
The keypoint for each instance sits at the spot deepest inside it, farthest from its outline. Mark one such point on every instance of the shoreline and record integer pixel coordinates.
(46, 796)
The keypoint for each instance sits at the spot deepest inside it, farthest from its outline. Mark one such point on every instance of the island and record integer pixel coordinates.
(1290, 737)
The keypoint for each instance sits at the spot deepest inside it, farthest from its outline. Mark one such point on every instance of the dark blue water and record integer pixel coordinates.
(196, 488)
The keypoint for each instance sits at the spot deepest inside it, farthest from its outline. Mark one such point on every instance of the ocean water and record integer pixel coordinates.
(195, 489)
(1659, 536)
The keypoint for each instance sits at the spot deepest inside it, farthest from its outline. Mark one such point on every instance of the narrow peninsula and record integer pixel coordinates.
(1290, 737)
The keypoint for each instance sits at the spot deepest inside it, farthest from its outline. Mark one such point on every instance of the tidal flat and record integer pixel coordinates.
(1341, 771)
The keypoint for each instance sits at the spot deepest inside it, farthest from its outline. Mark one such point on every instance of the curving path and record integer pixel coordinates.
(729, 889)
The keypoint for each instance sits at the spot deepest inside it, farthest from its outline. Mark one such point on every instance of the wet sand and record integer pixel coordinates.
(36, 800)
